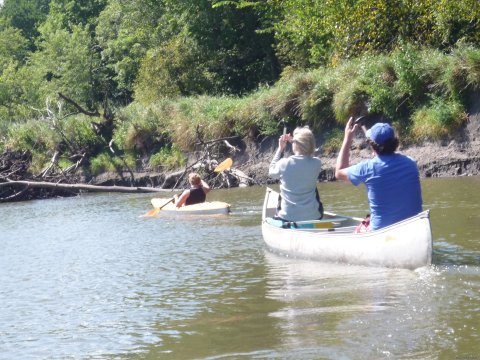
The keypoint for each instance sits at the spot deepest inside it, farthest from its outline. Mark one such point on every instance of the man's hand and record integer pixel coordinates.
(350, 130)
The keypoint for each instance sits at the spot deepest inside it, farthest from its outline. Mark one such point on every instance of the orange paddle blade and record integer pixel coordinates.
(224, 165)
(152, 212)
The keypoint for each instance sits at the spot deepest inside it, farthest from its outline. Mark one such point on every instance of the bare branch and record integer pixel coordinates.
(231, 147)
(14, 196)
(217, 140)
(78, 107)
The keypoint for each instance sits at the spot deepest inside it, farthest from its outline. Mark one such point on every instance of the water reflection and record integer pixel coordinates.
(383, 312)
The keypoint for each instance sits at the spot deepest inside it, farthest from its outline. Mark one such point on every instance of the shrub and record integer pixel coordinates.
(350, 100)
(105, 162)
(33, 135)
(407, 63)
(333, 141)
(438, 120)
(169, 158)
(78, 132)
(316, 106)
(141, 128)
(379, 79)
(39, 162)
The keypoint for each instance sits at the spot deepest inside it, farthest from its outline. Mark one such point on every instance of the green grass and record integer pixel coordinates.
(438, 120)
(167, 158)
(421, 91)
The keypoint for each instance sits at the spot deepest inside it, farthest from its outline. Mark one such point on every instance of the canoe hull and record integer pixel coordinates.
(407, 244)
(206, 208)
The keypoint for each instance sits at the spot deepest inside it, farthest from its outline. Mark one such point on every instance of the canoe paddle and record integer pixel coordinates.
(155, 211)
(224, 165)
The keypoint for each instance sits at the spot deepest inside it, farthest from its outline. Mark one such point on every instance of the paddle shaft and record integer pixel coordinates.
(155, 211)
(168, 202)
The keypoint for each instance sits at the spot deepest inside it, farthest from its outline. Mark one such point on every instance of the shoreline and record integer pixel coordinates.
(457, 157)
(433, 160)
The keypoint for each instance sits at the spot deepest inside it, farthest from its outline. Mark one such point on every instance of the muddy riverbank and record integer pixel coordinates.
(459, 156)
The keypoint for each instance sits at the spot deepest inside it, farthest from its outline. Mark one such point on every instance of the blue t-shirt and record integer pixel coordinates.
(393, 188)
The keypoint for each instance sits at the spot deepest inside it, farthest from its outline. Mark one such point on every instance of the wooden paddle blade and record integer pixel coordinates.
(224, 165)
(152, 213)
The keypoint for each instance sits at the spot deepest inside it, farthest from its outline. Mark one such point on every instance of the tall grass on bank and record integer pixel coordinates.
(438, 120)
(422, 92)
(395, 86)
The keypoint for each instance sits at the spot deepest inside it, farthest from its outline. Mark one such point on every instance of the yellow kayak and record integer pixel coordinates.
(205, 208)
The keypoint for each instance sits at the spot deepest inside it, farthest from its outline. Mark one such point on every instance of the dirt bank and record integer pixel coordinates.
(457, 157)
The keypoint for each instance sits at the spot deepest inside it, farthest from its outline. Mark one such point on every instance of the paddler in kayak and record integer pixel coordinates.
(196, 194)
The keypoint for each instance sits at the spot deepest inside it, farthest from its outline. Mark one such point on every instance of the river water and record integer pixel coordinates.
(87, 278)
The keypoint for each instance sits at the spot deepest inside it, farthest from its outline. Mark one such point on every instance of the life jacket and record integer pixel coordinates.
(197, 195)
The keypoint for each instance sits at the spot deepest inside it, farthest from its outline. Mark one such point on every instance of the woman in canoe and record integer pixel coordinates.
(196, 194)
(298, 175)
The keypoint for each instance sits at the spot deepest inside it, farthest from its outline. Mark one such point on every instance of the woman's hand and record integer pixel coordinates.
(283, 140)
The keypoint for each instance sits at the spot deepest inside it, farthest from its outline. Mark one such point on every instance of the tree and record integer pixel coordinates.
(171, 70)
(223, 51)
(309, 33)
(13, 51)
(25, 15)
(13, 46)
(73, 12)
(124, 33)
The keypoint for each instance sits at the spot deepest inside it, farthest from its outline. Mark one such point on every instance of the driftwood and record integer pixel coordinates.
(80, 187)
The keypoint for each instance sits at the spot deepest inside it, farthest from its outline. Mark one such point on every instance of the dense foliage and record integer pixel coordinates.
(75, 75)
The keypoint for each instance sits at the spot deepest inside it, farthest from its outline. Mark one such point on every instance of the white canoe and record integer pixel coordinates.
(406, 244)
(205, 208)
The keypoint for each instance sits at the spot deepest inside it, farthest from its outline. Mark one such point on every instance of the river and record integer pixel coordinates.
(87, 278)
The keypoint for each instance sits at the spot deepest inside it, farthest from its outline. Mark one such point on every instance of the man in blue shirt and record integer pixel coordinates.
(392, 179)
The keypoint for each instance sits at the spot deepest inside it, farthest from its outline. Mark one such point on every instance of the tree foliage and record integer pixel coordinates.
(26, 16)
(104, 52)
(314, 32)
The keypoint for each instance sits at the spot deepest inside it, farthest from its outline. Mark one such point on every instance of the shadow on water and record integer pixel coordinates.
(445, 254)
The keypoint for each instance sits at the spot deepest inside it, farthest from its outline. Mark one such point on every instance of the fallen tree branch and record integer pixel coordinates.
(91, 188)
(53, 162)
(14, 196)
(232, 148)
(78, 107)
(216, 140)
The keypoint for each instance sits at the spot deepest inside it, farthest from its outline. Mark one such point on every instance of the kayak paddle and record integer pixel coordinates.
(155, 211)
(224, 165)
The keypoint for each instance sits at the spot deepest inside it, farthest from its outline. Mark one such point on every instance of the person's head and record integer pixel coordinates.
(194, 179)
(303, 141)
(382, 139)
